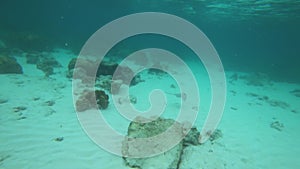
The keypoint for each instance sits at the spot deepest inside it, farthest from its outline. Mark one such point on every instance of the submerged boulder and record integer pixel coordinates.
(169, 159)
(9, 65)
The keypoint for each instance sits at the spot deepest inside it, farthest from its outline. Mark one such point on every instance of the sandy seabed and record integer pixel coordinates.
(39, 126)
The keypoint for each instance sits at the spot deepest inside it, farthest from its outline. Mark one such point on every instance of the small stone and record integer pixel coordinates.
(36, 98)
(19, 108)
(59, 139)
(49, 112)
(133, 99)
(3, 101)
(172, 86)
(2, 158)
(21, 118)
(233, 108)
(50, 103)
(115, 86)
(216, 135)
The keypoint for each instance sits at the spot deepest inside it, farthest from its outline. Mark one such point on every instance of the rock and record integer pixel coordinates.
(170, 159)
(83, 104)
(2, 100)
(216, 135)
(84, 67)
(72, 63)
(277, 125)
(9, 65)
(86, 100)
(101, 99)
(19, 108)
(296, 92)
(115, 86)
(47, 65)
(125, 74)
(3, 157)
(59, 139)
(50, 102)
(107, 68)
(133, 99)
(158, 72)
(104, 82)
(192, 137)
(32, 58)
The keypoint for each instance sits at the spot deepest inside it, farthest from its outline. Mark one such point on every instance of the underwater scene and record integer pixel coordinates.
(140, 84)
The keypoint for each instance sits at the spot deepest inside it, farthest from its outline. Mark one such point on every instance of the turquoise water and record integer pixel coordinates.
(257, 43)
(246, 33)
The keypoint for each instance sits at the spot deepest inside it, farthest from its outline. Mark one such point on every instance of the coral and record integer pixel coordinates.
(86, 100)
(9, 65)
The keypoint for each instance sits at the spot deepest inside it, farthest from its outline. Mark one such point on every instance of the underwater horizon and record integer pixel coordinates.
(227, 98)
(249, 36)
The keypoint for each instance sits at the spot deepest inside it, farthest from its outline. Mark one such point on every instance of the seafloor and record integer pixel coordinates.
(39, 126)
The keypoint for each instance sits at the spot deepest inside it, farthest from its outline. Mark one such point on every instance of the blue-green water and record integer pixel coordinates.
(248, 35)
(258, 43)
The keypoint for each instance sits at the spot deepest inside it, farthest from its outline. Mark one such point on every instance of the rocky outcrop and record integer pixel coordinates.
(9, 65)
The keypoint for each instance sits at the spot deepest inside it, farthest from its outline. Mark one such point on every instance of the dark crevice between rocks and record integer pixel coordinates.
(180, 158)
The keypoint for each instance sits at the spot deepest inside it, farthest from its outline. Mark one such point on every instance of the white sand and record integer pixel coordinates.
(248, 140)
